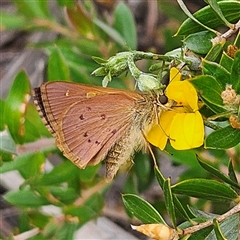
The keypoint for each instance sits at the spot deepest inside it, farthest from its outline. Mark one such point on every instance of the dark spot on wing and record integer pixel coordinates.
(103, 116)
(89, 109)
(114, 131)
(85, 134)
(97, 142)
(89, 140)
(81, 117)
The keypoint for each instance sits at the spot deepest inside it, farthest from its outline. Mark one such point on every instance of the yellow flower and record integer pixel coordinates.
(182, 124)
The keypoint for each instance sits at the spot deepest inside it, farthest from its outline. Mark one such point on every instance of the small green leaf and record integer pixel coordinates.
(214, 5)
(64, 195)
(159, 176)
(217, 173)
(33, 9)
(11, 21)
(205, 189)
(38, 219)
(223, 138)
(80, 20)
(60, 173)
(209, 89)
(6, 143)
(226, 61)
(217, 230)
(199, 42)
(34, 168)
(111, 32)
(231, 172)
(144, 171)
(125, 25)
(217, 71)
(214, 52)
(229, 227)
(57, 66)
(142, 209)
(207, 16)
(181, 209)
(16, 105)
(25, 198)
(2, 120)
(19, 162)
(235, 73)
(211, 109)
(169, 201)
(67, 3)
(89, 210)
(66, 231)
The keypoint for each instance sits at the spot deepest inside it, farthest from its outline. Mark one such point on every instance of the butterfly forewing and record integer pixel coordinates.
(87, 120)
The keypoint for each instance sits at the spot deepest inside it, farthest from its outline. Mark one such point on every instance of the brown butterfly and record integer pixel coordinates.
(93, 123)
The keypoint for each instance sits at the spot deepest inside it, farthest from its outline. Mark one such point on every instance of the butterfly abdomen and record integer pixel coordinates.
(123, 150)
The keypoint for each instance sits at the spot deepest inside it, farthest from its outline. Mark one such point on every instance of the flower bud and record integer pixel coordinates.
(147, 82)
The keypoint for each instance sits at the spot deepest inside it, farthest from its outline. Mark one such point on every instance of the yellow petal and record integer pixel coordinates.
(187, 131)
(158, 134)
(184, 94)
(175, 75)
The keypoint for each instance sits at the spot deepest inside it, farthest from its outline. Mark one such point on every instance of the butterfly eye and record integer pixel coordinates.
(163, 99)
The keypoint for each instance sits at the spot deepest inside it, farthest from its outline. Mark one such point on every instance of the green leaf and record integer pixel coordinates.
(169, 201)
(186, 157)
(217, 173)
(16, 105)
(39, 219)
(25, 198)
(66, 231)
(6, 143)
(229, 227)
(159, 176)
(2, 120)
(111, 32)
(217, 71)
(231, 172)
(34, 125)
(63, 172)
(57, 66)
(199, 42)
(214, 5)
(223, 138)
(11, 21)
(226, 62)
(217, 230)
(125, 25)
(205, 189)
(235, 73)
(35, 168)
(64, 195)
(21, 162)
(181, 209)
(67, 3)
(208, 17)
(81, 21)
(211, 109)
(142, 209)
(209, 89)
(144, 171)
(89, 210)
(33, 9)
(214, 52)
